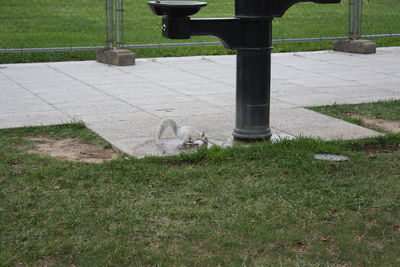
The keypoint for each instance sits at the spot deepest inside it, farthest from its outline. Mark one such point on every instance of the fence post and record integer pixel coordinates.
(119, 11)
(354, 44)
(113, 54)
(110, 23)
(355, 19)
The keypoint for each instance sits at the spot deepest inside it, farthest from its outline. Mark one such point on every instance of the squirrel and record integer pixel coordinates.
(188, 134)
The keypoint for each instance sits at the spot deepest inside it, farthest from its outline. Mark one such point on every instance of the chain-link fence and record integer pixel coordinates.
(37, 25)
(303, 21)
(30, 25)
(380, 18)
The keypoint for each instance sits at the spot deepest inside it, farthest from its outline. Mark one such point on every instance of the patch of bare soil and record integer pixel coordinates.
(386, 125)
(71, 149)
(371, 149)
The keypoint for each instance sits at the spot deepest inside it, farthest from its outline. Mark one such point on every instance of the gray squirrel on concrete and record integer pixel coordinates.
(186, 133)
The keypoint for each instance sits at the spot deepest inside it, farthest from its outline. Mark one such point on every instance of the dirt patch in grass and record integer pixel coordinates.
(373, 149)
(386, 125)
(71, 149)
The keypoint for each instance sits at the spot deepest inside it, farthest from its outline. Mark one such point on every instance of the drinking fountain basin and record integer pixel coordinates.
(176, 8)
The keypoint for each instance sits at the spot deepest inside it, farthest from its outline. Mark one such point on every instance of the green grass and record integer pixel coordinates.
(82, 23)
(268, 204)
(387, 110)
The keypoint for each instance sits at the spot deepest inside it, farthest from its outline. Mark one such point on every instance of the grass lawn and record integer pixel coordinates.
(268, 204)
(382, 110)
(82, 23)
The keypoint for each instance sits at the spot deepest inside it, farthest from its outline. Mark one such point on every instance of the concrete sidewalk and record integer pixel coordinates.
(126, 104)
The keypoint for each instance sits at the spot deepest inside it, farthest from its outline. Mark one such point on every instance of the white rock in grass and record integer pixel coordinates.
(331, 157)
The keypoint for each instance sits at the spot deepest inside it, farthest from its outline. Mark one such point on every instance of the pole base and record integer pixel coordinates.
(252, 135)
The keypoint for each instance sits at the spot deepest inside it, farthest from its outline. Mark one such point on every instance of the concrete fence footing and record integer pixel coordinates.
(117, 57)
(355, 46)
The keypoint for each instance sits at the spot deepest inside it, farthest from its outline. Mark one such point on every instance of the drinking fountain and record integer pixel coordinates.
(250, 33)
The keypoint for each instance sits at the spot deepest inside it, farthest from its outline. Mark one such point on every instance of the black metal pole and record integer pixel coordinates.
(253, 83)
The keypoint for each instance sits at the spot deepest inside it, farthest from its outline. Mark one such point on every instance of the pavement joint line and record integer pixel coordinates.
(169, 87)
(149, 80)
(196, 74)
(102, 91)
(205, 58)
(38, 97)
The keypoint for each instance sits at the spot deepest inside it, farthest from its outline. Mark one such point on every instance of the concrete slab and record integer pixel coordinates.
(14, 93)
(58, 97)
(220, 100)
(322, 81)
(140, 117)
(220, 122)
(392, 83)
(130, 89)
(144, 125)
(283, 90)
(7, 84)
(357, 75)
(96, 108)
(14, 120)
(340, 94)
(94, 78)
(172, 81)
(308, 100)
(181, 109)
(201, 89)
(318, 125)
(84, 68)
(56, 86)
(15, 106)
(285, 73)
(126, 104)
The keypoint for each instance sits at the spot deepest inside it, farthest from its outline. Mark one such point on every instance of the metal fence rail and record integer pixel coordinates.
(48, 25)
